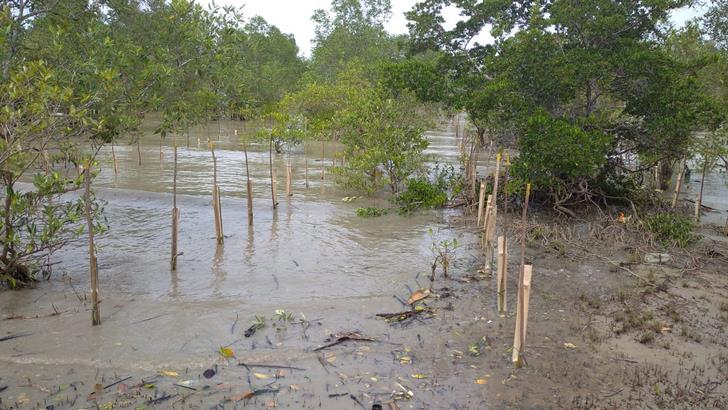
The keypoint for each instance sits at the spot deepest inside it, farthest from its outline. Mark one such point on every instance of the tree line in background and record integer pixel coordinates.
(581, 89)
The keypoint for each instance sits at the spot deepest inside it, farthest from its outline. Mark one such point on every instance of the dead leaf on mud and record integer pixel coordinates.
(227, 352)
(261, 376)
(405, 360)
(419, 376)
(418, 295)
(481, 381)
(280, 373)
(569, 345)
(245, 396)
(269, 404)
(169, 373)
(330, 357)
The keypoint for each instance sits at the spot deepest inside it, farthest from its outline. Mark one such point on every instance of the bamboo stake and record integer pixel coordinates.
(272, 174)
(678, 185)
(249, 184)
(496, 182)
(288, 180)
(175, 212)
(524, 296)
(216, 207)
(524, 222)
(113, 157)
(275, 188)
(323, 160)
(487, 246)
(139, 149)
(502, 278)
(306, 173)
(699, 199)
(93, 263)
(481, 199)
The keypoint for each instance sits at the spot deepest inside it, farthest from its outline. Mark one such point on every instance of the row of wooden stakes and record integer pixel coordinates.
(487, 215)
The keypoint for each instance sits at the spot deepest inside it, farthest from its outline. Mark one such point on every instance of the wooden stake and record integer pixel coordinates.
(678, 185)
(275, 188)
(249, 184)
(502, 261)
(93, 263)
(323, 160)
(524, 222)
(139, 149)
(481, 199)
(524, 296)
(487, 245)
(496, 182)
(216, 206)
(288, 180)
(113, 157)
(272, 174)
(306, 173)
(175, 213)
(699, 199)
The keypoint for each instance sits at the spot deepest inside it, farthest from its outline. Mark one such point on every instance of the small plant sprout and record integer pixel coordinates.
(444, 253)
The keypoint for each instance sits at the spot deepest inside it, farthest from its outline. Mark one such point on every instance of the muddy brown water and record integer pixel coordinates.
(313, 256)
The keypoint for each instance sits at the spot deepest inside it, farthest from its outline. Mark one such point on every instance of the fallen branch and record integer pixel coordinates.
(269, 366)
(343, 337)
(15, 336)
(402, 316)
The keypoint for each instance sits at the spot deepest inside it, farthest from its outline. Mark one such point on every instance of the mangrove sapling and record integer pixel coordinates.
(93, 265)
(444, 254)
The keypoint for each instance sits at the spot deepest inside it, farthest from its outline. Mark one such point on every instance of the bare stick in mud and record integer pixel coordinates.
(524, 296)
(699, 199)
(274, 187)
(481, 199)
(175, 212)
(272, 173)
(113, 158)
(216, 207)
(288, 180)
(678, 184)
(93, 266)
(501, 275)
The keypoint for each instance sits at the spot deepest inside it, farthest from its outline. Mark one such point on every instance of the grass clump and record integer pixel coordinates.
(671, 229)
(371, 212)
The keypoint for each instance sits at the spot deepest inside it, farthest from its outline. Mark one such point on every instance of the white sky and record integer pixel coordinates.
(294, 16)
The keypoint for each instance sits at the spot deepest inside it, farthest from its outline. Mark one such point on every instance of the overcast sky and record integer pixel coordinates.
(294, 16)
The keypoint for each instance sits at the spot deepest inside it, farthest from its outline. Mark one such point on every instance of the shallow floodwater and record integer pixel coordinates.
(313, 255)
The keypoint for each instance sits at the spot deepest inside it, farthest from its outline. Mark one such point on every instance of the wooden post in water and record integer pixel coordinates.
(249, 184)
(288, 180)
(481, 199)
(175, 212)
(306, 173)
(678, 184)
(524, 296)
(502, 278)
(323, 160)
(139, 148)
(272, 174)
(216, 206)
(275, 188)
(93, 263)
(113, 158)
